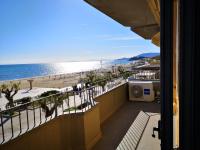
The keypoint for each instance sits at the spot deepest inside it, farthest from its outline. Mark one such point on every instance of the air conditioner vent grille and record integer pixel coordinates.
(141, 91)
(137, 91)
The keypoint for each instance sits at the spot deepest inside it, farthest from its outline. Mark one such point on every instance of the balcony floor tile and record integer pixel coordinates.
(114, 128)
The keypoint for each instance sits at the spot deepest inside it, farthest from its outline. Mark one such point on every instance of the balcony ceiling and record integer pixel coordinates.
(137, 14)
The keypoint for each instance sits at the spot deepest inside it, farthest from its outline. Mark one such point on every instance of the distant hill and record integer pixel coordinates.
(138, 57)
(144, 55)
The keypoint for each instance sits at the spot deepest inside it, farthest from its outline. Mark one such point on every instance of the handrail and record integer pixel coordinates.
(22, 118)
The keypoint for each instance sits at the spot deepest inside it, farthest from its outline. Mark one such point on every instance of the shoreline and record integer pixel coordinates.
(35, 77)
(50, 81)
(53, 81)
(58, 80)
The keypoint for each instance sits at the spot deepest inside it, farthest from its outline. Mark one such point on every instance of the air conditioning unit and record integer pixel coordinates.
(141, 91)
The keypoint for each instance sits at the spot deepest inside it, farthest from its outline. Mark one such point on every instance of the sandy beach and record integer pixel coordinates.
(59, 80)
(46, 83)
(42, 84)
(51, 81)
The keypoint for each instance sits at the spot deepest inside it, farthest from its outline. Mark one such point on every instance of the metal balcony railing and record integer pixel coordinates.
(22, 118)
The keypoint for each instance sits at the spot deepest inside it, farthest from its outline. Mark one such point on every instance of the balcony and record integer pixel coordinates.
(114, 128)
(101, 123)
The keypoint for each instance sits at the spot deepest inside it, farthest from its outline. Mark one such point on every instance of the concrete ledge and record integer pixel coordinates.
(74, 131)
(94, 141)
(111, 101)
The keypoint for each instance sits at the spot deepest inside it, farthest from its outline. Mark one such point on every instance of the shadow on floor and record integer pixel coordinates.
(114, 129)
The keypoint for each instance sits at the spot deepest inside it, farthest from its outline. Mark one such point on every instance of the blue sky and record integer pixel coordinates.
(34, 31)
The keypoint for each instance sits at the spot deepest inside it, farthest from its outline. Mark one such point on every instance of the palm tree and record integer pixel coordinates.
(91, 77)
(10, 91)
(121, 70)
(108, 75)
(58, 101)
(48, 111)
(102, 81)
(126, 74)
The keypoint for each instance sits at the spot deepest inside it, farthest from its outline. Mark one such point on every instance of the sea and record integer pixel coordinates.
(21, 71)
